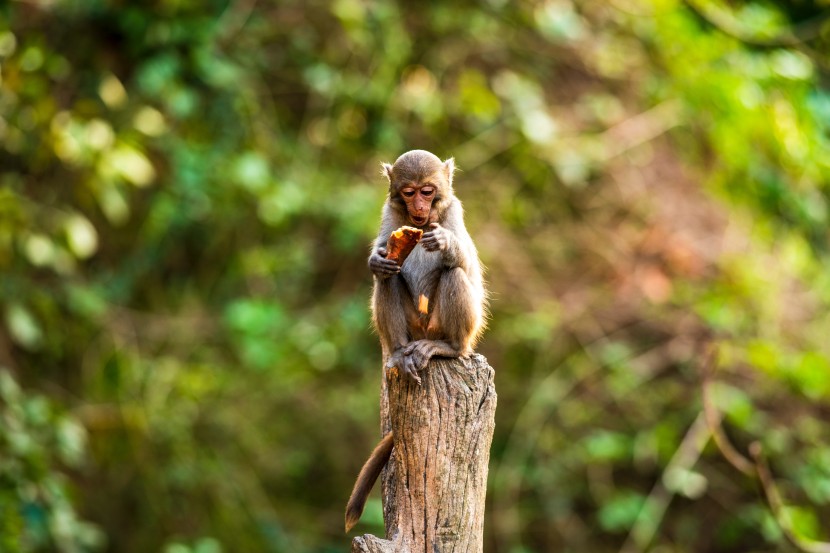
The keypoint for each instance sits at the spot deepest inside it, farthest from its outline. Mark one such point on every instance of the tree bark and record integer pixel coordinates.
(435, 483)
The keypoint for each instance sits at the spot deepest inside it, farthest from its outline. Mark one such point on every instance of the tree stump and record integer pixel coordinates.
(435, 483)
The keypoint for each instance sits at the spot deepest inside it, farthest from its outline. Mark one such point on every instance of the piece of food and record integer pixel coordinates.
(401, 243)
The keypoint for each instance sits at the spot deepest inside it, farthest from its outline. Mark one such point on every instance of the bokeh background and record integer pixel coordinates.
(188, 190)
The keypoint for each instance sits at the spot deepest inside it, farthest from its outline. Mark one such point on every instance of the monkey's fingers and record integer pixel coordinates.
(421, 356)
(388, 270)
(382, 252)
(411, 370)
(429, 242)
(433, 246)
(395, 360)
(379, 259)
(434, 240)
(414, 376)
(384, 266)
(410, 347)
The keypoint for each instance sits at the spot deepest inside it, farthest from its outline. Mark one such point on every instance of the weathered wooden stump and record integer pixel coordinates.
(436, 480)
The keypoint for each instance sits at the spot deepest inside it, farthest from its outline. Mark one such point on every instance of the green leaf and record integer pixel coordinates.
(619, 514)
(607, 446)
(23, 326)
(251, 171)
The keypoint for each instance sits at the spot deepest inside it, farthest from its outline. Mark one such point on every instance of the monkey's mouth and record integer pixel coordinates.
(419, 221)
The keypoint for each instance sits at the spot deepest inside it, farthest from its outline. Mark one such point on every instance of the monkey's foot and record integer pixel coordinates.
(398, 361)
(418, 353)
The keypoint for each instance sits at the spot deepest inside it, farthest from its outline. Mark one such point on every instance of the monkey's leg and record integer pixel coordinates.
(454, 321)
(392, 310)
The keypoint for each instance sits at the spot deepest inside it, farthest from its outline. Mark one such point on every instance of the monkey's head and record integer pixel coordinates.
(421, 184)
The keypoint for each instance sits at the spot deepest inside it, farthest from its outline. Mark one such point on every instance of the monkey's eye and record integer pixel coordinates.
(408, 192)
(427, 191)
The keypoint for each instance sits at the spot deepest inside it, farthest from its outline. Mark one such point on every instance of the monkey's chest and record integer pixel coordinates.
(421, 271)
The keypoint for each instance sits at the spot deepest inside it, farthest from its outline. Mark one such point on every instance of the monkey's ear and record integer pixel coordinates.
(386, 170)
(449, 168)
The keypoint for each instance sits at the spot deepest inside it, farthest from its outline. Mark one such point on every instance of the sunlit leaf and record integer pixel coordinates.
(23, 327)
(132, 165)
(112, 91)
(81, 236)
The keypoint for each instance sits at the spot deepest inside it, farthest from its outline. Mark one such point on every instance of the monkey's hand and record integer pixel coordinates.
(437, 239)
(382, 267)
(416, 355)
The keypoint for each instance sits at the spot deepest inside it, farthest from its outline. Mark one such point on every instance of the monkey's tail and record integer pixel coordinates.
(366, 479)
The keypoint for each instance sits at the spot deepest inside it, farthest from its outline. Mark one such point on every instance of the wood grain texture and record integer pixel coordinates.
(435, 483)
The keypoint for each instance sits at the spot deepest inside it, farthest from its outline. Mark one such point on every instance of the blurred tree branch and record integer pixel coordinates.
(654, 508)
(759, 469)
(713, 419)
(773, 497)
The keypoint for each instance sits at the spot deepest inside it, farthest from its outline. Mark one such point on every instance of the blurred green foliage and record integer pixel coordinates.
(35, 507)
(188, 191)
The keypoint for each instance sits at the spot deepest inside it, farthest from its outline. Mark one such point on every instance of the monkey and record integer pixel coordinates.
(444, 268)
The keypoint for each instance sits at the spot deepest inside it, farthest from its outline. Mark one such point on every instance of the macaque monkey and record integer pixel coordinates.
(434, 303)
(444, 268)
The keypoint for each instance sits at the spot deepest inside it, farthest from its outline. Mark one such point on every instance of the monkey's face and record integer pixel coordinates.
(418, 199)
(421, 183)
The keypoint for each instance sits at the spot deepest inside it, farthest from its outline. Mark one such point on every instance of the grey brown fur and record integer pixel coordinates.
(444, 267)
